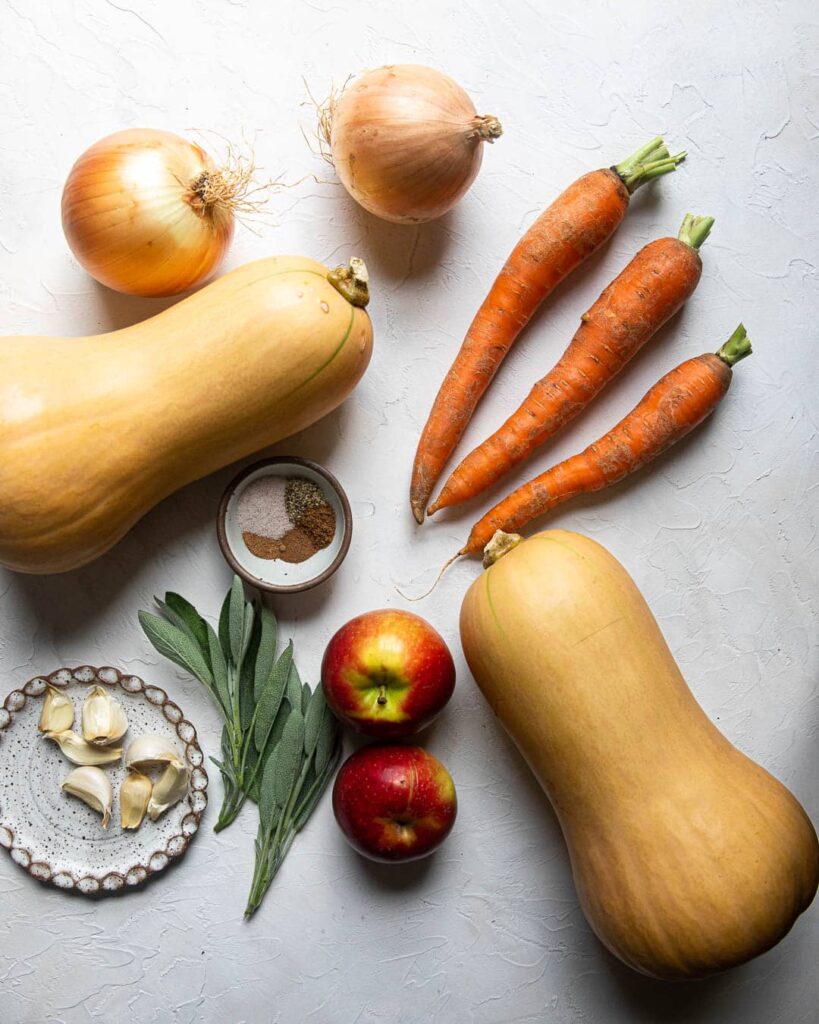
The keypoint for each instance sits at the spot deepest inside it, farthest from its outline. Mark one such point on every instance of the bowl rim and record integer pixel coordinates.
(227, 551)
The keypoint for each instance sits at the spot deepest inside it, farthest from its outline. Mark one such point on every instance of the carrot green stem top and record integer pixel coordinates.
(695, 230)
(649, 162)
(736, 347)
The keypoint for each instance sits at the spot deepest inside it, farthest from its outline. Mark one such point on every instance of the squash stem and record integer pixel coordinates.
(737, 347)
(500, 545)
(352, 282)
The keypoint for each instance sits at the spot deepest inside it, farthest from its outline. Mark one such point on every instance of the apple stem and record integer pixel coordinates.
(382, 695)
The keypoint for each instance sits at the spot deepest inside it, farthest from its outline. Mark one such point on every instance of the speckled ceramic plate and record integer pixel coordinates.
(55, 837)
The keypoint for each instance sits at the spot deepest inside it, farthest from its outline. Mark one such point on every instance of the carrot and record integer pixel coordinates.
(650, 290)
(676, 404)
(577, 223)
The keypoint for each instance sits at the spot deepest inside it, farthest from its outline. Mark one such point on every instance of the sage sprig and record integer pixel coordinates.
(297, 768)
(280, 742)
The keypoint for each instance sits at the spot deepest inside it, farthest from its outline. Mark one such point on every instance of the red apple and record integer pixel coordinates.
(394, 802)
(387, 673)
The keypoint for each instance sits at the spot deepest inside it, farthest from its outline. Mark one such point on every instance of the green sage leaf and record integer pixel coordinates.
(312, 794)
(269, 809)
(224, 626)
(219, 668)
(294, 687)
(236, 620)
(329, 733)
(177, 646)
(312, 719)
(271, 698)
(247, 700)
(185, 612)
(289, 757)
(266, 654)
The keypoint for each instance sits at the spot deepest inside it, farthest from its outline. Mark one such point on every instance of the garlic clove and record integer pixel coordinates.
(103, 717)
(152, 750)
(134, 794)
(91, 785)
(58, 711)
(79, 752)
(169, 789)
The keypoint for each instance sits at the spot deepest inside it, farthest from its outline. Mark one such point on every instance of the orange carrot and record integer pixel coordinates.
(577, 223)
(650, 290)
(676, 404)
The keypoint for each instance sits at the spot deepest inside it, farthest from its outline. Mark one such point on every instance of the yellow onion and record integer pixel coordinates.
(405, 141)
(149, 213)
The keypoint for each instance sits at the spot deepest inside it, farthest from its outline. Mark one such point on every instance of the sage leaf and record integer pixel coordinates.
(306, 694)
(312, 719)
(177, 646)
(266, 654)
(294, 687)
(185, 611)
(271, 698)
(236, 620)
(219, 668)
(224, 626)
(328, 734)
(289, 756)
(247, 700)
(268, 806)
(311, 796)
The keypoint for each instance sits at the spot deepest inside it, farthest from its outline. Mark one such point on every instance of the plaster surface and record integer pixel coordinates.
(721, 534)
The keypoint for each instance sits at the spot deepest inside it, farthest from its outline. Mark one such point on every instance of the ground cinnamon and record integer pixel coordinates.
(295, 546)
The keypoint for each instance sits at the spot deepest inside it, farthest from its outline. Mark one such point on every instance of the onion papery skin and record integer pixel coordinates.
(407, 142)
(133, 220)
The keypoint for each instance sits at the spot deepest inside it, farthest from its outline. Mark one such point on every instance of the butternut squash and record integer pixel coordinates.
(687, 856)
(95, 431)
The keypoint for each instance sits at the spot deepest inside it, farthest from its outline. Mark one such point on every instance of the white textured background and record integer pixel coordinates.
(721, 535)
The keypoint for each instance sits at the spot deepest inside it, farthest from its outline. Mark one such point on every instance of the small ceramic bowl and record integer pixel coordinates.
(274, 575)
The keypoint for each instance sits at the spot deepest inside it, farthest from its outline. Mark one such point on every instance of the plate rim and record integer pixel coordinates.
(111, 882)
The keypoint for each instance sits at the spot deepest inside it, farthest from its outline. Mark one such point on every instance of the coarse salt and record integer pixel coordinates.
(261, 508)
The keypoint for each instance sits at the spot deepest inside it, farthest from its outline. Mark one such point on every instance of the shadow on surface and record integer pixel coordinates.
(65, 602)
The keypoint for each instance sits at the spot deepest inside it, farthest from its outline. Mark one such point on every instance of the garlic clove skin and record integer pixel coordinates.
(103, 718)
(58, 711)
(169, 789)
(92, 786)
(134, 795)
(77, 751)
(152, 750)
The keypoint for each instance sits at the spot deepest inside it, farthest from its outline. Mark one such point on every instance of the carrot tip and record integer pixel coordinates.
(436, 581)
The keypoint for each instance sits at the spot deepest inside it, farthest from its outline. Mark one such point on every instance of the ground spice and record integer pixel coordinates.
(300, 495)
(297, 545)
(262, 547)
(320, 523)
(287, 519)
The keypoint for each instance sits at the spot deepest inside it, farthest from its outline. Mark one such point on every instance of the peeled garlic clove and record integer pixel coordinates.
(152, 750)
(103, 718)
(171, 786)
(134, 794)
(91, 785)
(58, 711)
(79, 752)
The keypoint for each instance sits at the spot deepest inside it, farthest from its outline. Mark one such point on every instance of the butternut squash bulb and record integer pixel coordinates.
(95, 431)
(688, 857)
